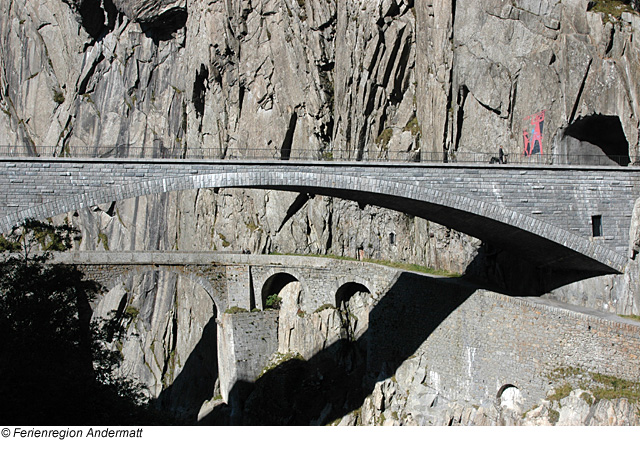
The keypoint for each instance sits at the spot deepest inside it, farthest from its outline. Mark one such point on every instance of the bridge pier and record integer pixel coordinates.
(246, 342)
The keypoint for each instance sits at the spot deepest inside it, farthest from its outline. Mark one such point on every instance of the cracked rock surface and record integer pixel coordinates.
(359, 79)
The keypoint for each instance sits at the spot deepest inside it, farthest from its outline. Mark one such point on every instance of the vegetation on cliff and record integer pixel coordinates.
(58, 366)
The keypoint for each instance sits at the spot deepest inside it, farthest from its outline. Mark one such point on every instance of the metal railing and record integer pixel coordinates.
(270, 154)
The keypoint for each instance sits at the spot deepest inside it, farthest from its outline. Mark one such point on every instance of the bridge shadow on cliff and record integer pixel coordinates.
(196, 381)
(508, 272)
(336, 380)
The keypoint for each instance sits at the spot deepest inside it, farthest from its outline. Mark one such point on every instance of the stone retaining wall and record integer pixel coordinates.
(466, 344)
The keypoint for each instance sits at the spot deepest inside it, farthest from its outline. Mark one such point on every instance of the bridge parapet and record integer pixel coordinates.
(270, 154)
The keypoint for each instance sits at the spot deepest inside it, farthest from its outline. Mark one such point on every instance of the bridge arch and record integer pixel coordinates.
(548, 245)
(345, 288)
(276, 279)
(126, 272)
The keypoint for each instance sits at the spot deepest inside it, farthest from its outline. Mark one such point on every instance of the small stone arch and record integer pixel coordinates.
(509, 397)
(347, 290)
(342, 286)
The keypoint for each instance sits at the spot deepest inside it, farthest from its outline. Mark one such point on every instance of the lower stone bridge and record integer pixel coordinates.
(458, 342)
(245, 342)
(558, 217)
(241, 280)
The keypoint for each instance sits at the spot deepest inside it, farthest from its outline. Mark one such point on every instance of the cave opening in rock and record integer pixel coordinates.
(596, 139)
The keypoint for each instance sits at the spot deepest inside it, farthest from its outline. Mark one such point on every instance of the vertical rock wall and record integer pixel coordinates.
(372, 80)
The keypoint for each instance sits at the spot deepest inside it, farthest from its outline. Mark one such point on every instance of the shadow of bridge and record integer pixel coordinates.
(337, 379)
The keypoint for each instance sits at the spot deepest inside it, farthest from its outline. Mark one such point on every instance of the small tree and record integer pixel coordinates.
(273, 302)
(57, 366)
(34, 236)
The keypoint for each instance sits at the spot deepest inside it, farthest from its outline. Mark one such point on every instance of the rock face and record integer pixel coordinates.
(395, 79)
(388, 405)
(171, 337)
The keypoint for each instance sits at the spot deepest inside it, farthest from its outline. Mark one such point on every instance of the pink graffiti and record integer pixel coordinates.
(533, 138)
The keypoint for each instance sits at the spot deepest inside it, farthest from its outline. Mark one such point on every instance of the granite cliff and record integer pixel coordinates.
(417, 80)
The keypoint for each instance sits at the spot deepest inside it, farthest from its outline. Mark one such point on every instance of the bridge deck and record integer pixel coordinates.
(532, 209)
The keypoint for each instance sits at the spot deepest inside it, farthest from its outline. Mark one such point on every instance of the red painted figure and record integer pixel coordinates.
(533, 139)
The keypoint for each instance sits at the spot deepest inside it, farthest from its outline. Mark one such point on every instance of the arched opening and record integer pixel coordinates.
(272, 291)
(596, 139)
(349, 312)
(183, 371)
(509, 397)
(348, 290)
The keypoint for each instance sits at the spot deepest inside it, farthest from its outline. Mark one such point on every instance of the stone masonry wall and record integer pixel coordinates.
(435, 336)
(246, 341)
(320, 281)
(488, 340)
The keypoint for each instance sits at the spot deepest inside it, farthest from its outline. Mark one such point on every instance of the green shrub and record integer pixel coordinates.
(561, 392)
(323, 307)
(611, 8)
(58, 96)
(274, 301)
(413, 126)
(104, 240)
(384, 138)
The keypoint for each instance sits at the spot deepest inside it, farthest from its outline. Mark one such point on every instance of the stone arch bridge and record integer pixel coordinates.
(558, 217)
(234, 279)
(245, 341)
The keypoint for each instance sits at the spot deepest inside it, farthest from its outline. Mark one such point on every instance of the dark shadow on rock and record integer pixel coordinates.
(195, 383)
(96, 17)
(512, 274)
(164, 26)
(336, 380)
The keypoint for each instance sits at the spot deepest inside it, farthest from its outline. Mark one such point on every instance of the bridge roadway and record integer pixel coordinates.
(545, 213)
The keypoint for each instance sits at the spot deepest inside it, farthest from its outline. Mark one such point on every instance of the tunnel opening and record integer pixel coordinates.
(596, 139)
(509, 397)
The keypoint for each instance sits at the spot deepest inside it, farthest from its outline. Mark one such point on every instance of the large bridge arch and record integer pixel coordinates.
(544, 243)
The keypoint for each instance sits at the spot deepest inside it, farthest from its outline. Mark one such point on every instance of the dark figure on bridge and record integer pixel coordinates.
(501, 159)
